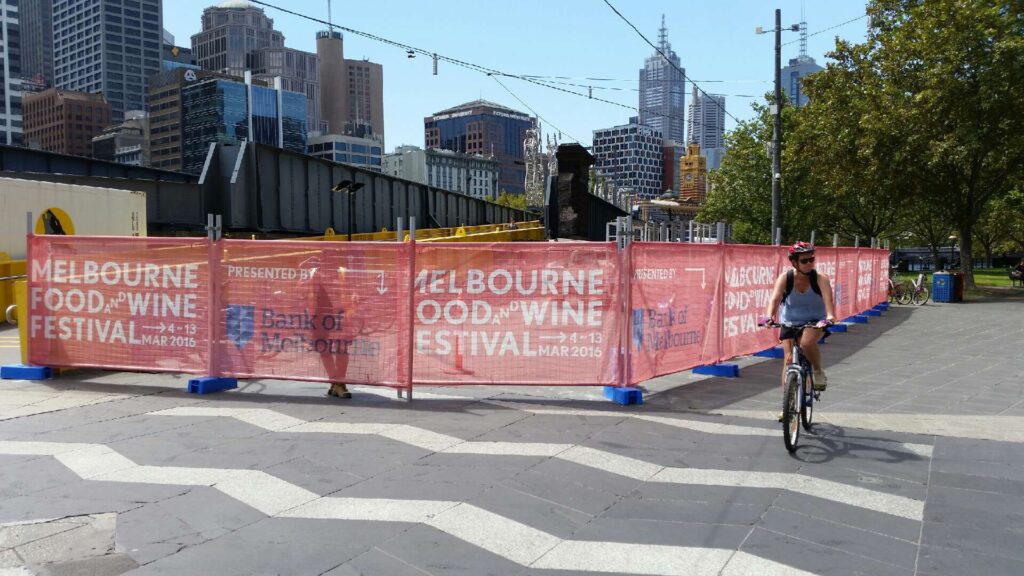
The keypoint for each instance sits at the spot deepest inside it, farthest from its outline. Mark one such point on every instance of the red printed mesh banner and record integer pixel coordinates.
(122, 303)
(881, 292)
(750, 274)
(845, 282)
(674, 308)
(543, 313)
(330, 312)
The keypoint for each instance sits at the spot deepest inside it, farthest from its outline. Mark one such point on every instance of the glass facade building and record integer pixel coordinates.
(364, 152)
(662, 90)
(108, 46)
(217, 110)
(10, 74)
(485, 128)
(631, 157)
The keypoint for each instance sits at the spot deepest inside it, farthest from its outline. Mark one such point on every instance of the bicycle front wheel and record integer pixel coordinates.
(807, 406)
(906, 295)
(921, 296)
(792, 398)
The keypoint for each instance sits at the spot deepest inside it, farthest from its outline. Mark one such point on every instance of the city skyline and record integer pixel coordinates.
(717, 47)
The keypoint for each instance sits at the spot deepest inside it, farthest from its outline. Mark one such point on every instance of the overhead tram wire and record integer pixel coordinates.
(829, 28)
(461, 63)
(671, 63)
(537, 114)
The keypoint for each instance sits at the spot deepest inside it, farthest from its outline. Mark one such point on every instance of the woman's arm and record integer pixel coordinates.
(826, 294)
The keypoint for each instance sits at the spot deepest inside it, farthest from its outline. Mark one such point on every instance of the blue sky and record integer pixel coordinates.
(571, 38)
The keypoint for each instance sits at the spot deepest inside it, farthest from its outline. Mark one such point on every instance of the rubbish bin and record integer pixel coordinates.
(958, 286)
(942, 287)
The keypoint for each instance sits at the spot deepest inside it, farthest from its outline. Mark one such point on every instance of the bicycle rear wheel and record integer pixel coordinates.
(807, 405)
(906, 295)
(791, 411)
(921, 296)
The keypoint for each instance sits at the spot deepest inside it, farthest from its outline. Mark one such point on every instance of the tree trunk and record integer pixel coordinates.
(966, 261)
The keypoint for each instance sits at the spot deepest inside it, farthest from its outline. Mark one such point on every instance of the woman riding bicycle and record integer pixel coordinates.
(805, 296)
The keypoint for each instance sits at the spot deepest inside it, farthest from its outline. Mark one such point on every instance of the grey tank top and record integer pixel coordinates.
(801, 308)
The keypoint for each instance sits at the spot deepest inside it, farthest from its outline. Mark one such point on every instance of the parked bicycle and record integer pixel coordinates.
(917, 291)
(798, 394)
(898, 292)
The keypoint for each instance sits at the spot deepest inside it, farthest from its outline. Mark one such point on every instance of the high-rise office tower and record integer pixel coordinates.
(706, 125)
(10, 73)
(351, 91)
(486, 128)
(662, 90)
(37, 41)
(107, 46)
(630, 156)
(238, 36)
(799, 67)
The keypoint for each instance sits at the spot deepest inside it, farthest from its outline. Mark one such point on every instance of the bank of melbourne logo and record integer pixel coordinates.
(239, 321)
(638, 328)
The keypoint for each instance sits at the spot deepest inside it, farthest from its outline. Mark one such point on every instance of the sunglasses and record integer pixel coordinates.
(807, 260)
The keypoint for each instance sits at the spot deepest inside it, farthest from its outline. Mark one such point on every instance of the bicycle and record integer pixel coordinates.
(917, 292)
(898, 293)
(798, 395)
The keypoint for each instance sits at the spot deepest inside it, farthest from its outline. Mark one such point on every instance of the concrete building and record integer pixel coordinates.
(364, 152)
(706, 125)
(470, 174)
(630, 156)
(486, 128)
(64, 121)
(799, 67)
(693, 176)
(10, 74)
(125, 143)
(237, 36)
(165, 115)
(108, 46)
(37, 41)
(220, 110)
(663, 90)
(351, 91)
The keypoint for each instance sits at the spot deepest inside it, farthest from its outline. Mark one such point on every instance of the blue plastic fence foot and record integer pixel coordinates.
(25, 372)
(209, 385)
(624, 395)
(857, 319)
(773, 352)
(872, 312)
(883, 307)
(838, 328)
(726, 370)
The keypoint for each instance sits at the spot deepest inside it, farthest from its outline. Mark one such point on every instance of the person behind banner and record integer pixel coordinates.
(330, 348)
(803, 295)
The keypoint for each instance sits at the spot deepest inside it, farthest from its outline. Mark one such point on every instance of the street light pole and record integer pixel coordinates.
(777, 134)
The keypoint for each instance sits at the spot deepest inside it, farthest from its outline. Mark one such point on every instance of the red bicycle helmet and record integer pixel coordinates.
(800, 248)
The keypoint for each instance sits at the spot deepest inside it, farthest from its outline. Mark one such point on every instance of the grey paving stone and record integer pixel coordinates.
(441, 554)
(277, 546)
(687, 511)
(857, 541)
(405, 489)
(473, 460)
(602, 481)
(942, 561)
(107, 565)
(999, 542)
(310, 473)
(420, 472)
(24, 475)
(974, 509)
(664, 533)
(853, 516)
(699, 493)
(816, 558)
(376, 562)
(194, 517)
(570, 492)
(533, 510)
(980, 483)
(126, 493)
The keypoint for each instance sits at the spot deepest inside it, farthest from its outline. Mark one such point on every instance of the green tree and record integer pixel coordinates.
(517, 201)
(959, 70)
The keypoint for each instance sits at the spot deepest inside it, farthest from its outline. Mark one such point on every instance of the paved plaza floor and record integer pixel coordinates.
(915, 468)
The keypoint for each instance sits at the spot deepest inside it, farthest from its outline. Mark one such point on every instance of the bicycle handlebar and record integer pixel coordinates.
(770, 323)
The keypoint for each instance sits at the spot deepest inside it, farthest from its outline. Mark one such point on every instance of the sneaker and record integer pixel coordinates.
(782, 416)
(820, 380)
(339, 391)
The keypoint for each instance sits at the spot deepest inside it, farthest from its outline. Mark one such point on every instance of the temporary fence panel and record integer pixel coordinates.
(675, 307)
(119, 303)
(845, 282)
(336, 312)
(750, 275)
(523, 314)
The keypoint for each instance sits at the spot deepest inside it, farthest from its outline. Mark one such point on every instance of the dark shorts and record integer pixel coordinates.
(789, 333)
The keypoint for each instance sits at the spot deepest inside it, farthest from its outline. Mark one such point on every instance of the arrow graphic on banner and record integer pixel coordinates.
(162, 327)
(561, 337)
(703, 284)
(380, 275)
